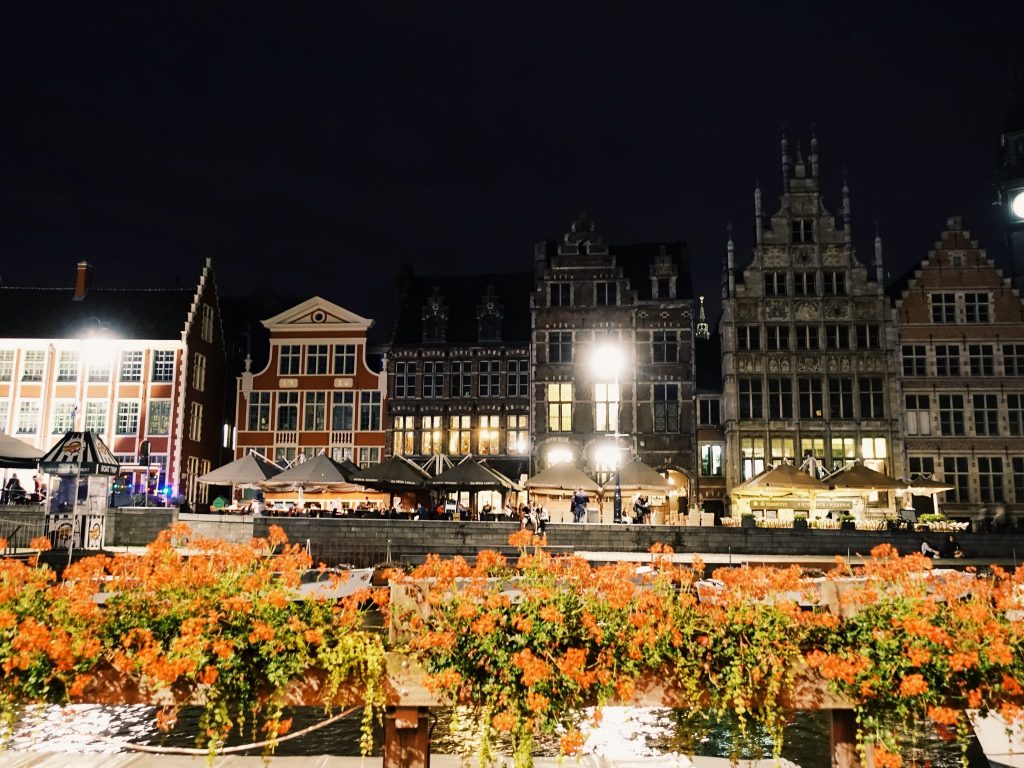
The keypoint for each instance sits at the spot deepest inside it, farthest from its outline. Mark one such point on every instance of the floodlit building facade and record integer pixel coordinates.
(142, 368)
(317, 391)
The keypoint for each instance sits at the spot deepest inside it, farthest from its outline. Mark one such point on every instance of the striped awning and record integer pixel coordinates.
(79, 453)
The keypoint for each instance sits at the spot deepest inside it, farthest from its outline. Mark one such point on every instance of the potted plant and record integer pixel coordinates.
(847, 522)
(800, 521)
(747, 520)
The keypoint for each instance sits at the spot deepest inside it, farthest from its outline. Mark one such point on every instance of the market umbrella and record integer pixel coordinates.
(81, 454)
(349, 467)
(562, 477)
(780, 480)
(321, 470)
(637, 476)
(510, 483)
(17, 454)
(248, 470)
(857, 477)
(393, 475)
(470, 475)
(923, 486)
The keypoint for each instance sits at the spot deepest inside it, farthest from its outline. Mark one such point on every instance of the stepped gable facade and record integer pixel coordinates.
(808, 342)
(961, 336)
(458, 369)
(632, 302)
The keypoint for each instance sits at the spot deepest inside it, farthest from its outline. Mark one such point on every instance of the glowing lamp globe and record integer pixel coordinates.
(1017, 204)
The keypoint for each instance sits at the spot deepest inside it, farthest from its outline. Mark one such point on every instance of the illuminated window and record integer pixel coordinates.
(1015, 408)
(127, 417)
(131, 366)
(606, 406)
(199, 371)
(195, 425)
(67, 367)
(559, 402)
(158, 420)
(207, 330)
(460, 432)
(5, 406)
(751, 456)
(489, 441)
(404, 438)
(430, 435)
(711, 460)
(518, 435)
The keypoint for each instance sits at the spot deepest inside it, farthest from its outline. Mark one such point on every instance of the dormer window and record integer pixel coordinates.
(435, 319)
(488, 317)
(664, 287)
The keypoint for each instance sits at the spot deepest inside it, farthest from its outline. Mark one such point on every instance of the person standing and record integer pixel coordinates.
(543, 517)
(579, 506)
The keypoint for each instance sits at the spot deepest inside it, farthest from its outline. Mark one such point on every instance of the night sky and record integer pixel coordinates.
(313, 148)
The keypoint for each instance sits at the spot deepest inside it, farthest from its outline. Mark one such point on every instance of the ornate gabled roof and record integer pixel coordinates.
(316, 314)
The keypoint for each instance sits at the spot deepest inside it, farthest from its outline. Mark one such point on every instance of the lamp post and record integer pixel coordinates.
(606, 363)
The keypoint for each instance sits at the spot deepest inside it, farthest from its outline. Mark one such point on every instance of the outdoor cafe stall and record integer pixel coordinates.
(82, 467)
(320, 485)
(554, 488)
(17, 455)
(396, 476)
(248, 472)
(471, 476)
(781, 493)
(636, 480)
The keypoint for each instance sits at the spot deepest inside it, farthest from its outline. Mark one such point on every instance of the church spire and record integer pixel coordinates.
(730, 259)
(785, 164)
(814, 152)
(879, 269)
(758, 216)
(703, 329)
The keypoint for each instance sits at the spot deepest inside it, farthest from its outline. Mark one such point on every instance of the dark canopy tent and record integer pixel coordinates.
(471, 476)
(248, 470)
(16, 454)
(393, 475)
(79, 453)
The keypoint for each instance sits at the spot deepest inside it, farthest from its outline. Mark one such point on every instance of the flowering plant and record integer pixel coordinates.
(218, 627)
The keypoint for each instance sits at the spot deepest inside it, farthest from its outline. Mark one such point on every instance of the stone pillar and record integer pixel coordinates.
(407, 737)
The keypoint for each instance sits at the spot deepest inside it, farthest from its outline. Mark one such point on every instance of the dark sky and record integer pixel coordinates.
(314, 147)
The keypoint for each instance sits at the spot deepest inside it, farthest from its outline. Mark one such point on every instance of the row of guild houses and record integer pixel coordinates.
(594, 354)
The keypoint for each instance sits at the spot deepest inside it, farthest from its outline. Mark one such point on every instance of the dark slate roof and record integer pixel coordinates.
(637, 258)
(708, 363)
(899, 284)
(131, 313)
(462, 294)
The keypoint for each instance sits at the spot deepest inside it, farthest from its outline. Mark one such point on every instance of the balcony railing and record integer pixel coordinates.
(286, 438)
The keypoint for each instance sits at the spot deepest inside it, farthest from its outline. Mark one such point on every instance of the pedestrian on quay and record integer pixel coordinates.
(579, 506)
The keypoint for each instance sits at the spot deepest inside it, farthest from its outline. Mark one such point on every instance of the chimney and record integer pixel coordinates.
(83, 280)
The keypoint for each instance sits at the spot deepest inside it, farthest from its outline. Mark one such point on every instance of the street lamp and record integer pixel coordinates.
(607, 362)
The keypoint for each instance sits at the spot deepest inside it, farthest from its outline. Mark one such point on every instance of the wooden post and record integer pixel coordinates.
(843, 733)
(407, 737)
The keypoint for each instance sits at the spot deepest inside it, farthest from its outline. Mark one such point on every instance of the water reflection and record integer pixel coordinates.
(625, 732)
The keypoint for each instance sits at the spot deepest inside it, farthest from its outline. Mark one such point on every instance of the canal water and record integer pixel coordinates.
(624, 732)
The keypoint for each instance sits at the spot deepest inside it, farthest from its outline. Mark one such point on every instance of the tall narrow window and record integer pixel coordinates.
(433, 378)
(207, 329)
(781, 449)
(606, 406)
(518, 434)
(780, 398)
(811, 399)
(430, 435)
(490, 378)
(405, 379)
(287, 411)
(990, 479)
(460, 433)
(559, 346)
(63, 416)
(67, 366)
(315, 414)
(751, 456)
(404, 436)
(711, 460)
(7, 364)
(342, 411)
(158, 419)
(518, 378)
(986, 415)
(462, 379)
(559, 400)
(489, 441)
(127, 417)
(751, 398)
(954, 472)
(872, 397)
(199, 371)
(665, 346)
(131, 366)
(951, 415)
(666, 407)
(163, 365)
(369, 411)
(919, 416)
(840, 398)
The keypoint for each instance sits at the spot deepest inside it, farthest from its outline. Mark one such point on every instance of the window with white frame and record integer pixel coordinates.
(986, 414)
(28, 417)
(405, 378)
(943, 307)
(100, 368)
(289, 359)
(63, 417)
(158, 419)
(96, 416)
(343, 406)
(844, 450)
(131, 365)
(489, 441)
(67, 366)
(559, 402)
(990, 479)
(287, 411)
(369, 411)
(199, 371)
(127, 417)
(606, 406)
(344, 359)
(34, 364)
(490, 378)
(460, 434)
(518, 434)
(207, 330)
(315, 413)
(316, 359)
(258, 412)
(6, 364)
(918, 414)
(518, 378)
(976, 307)
(195, 423)
(369, 455)
(874, 451)
(163, 365)
(711, 459)
(781, 449)
(5, 406)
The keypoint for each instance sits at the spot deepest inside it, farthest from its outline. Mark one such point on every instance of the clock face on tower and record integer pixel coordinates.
(1017, 204)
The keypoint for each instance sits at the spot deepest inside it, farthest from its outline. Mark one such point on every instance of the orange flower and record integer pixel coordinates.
(883, 758)
(41, 543)
(944, 715)
(504, 721)
(552, 614)
(571, 742)
(913, 685)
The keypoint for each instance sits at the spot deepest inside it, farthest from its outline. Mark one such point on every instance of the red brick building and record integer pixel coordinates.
(317, 392)
(961, 335)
